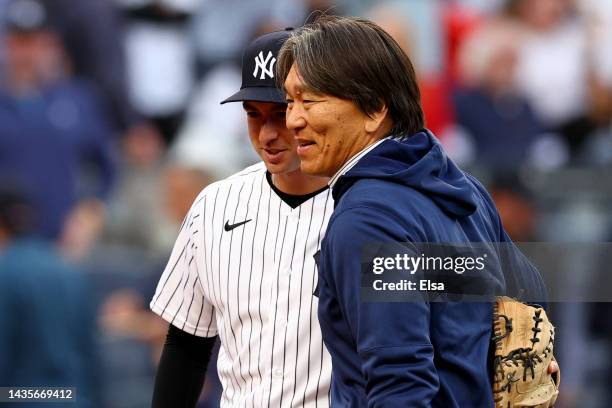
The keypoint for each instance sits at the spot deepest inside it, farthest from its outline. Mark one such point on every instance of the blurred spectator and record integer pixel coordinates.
(92, 32)
(54, 132)
(160, 59)
(47, 320)
(136, 221)
(489, 107)
(92, 35)
(554, 68)
(182, 184)
(516, 210)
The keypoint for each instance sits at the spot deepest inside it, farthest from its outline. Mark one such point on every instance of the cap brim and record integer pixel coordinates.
(258, 94)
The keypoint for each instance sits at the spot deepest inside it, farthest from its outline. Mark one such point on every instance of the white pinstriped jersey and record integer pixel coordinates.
(253, 286)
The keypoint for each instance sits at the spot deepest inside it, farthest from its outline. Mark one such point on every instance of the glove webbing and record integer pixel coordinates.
(524, 356)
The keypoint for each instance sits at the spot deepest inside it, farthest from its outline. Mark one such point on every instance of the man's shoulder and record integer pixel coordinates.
(380, 195)
(251, 173)
(385, 203)
(211, 191)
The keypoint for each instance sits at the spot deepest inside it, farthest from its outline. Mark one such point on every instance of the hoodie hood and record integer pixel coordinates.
(418, 162)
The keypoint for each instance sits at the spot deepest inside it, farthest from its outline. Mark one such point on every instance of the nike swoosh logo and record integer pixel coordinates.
(229, 227)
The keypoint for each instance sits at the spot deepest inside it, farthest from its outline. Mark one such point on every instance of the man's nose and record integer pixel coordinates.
(268, 133)
(295, 118)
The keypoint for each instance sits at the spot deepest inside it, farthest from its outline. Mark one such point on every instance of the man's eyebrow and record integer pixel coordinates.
(297, 88)
(247, 105)
(303, 89)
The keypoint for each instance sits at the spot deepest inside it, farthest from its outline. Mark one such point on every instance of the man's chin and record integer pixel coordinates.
(281, 168)
(312, 169)
(274, 168)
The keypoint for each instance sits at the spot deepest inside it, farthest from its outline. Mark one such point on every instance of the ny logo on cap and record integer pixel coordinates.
(266, 65)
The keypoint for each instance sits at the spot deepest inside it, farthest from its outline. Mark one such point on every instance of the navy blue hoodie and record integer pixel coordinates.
(408, 354)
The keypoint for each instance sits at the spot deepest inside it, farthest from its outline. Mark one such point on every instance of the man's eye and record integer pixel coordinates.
(252, 114)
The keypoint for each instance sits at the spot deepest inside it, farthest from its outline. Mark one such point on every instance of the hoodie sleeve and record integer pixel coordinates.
(391, 338)
(523, 280)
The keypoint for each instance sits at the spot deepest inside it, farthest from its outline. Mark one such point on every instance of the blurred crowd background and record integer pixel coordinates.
(110, 125)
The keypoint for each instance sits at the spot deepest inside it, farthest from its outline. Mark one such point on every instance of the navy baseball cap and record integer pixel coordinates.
(258, 70)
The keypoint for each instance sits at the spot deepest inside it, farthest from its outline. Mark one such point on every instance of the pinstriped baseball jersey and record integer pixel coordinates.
(243, 268)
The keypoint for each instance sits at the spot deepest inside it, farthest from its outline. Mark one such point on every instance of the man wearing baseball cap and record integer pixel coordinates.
(243, 270)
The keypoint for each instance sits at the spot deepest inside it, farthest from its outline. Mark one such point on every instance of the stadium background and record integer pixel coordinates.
(120, 125)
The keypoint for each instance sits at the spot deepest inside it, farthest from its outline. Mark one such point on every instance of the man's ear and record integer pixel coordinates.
(376, 121)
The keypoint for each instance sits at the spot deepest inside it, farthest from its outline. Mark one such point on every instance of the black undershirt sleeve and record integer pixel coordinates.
(182, 369)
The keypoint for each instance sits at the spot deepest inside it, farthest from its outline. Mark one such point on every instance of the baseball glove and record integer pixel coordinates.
(523, 338)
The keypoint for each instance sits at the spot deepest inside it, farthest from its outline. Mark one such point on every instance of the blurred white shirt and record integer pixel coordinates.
(552, 72)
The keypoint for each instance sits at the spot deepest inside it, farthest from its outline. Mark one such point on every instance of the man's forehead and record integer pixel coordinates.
(294, 82)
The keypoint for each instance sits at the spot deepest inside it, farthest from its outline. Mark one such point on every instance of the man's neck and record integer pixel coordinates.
(298, 183)
(368, 139)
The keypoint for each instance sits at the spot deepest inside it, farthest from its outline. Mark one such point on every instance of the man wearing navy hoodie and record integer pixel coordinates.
(354, 107)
